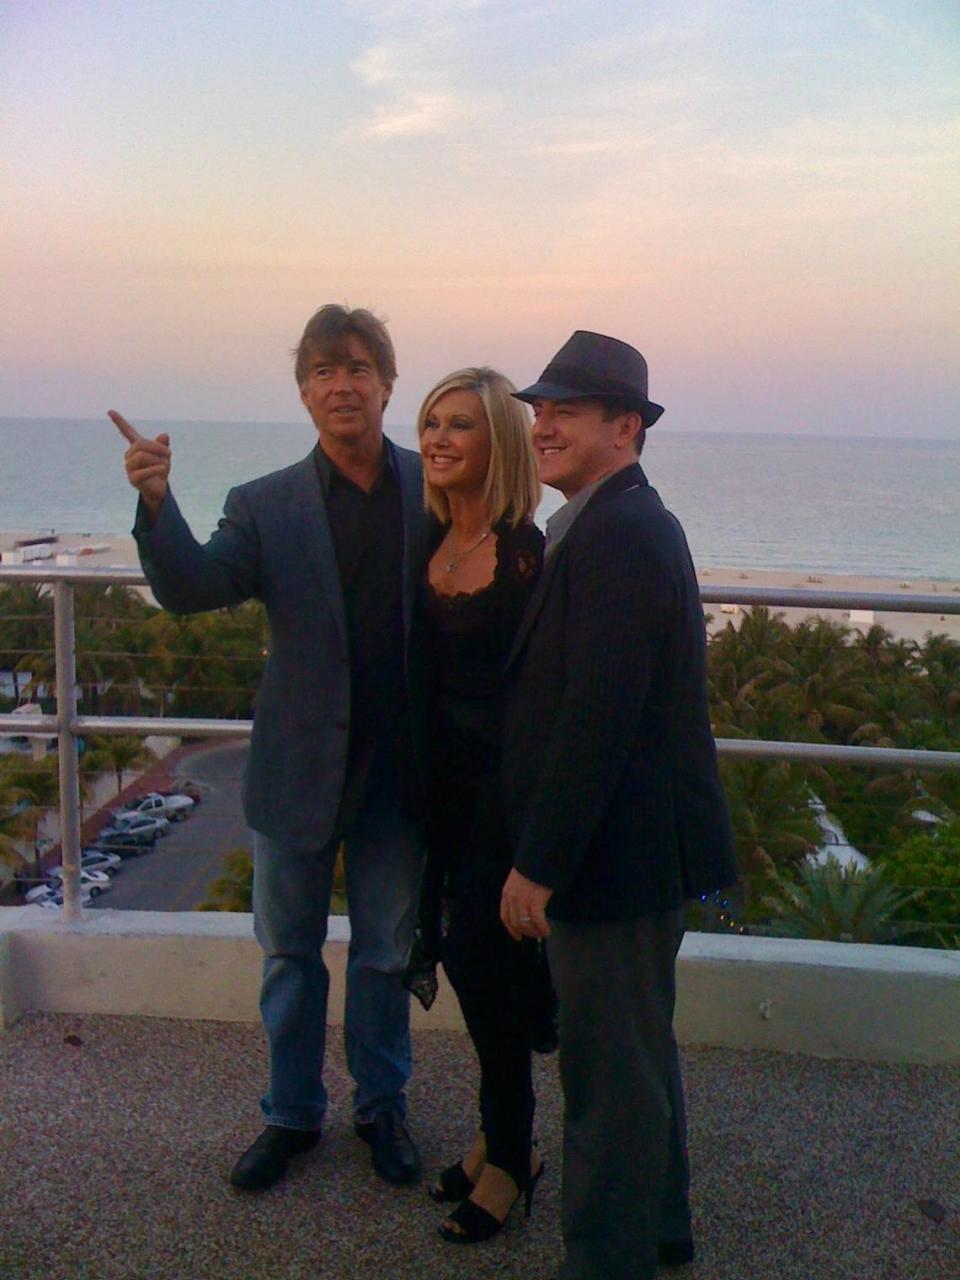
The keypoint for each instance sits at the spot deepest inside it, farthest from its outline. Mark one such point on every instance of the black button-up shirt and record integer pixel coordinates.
(367, 531)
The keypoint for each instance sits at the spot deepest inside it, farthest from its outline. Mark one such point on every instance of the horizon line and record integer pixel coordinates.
(285, 422)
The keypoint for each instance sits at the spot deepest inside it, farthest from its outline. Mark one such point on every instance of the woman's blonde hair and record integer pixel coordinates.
(512, 488)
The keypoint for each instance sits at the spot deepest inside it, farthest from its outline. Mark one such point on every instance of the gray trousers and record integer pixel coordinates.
(625, 1168)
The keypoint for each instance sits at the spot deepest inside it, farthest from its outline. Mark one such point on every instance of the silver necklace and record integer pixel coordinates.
(459, 556)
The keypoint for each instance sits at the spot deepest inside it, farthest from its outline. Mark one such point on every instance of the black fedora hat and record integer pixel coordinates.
(593, 366)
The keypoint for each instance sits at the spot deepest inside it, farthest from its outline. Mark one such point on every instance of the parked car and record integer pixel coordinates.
(38, 892)
(100, 860)
(154, 805)
(123, 845)
(93, 883)
(141, 825)
(129, 838)
(55, 899)
(187, 787)
(94, 860)
(96, 881)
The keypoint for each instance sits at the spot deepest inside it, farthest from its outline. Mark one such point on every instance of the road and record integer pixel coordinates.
(176, 874)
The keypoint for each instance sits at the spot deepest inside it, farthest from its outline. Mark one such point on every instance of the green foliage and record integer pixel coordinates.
(132, 658)
(117, 755)
(233, 891)
(838, 904)
(13, 821)
(34, 787)
(930, 865)
(773, 824)
(822, 681)
(818, 681)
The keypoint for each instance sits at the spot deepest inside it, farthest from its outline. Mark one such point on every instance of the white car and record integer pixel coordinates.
(93, 860)
(95, 881)
(38, 892)
(54, 899)
(100, 860)
(92, 883)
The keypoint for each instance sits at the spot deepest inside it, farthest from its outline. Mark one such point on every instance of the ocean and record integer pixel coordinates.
(854, 505)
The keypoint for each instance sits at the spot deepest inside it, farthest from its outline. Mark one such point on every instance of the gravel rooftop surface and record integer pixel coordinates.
(118, 1134)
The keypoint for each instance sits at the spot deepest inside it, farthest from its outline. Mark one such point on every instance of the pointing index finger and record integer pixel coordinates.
(129, 433)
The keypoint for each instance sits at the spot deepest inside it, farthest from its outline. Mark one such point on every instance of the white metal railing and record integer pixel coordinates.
(67, 725)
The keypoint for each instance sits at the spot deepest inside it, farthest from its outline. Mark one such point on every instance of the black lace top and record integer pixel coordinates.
(468, 639)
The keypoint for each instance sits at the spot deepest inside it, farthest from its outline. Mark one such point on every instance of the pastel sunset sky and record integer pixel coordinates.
(761, 196)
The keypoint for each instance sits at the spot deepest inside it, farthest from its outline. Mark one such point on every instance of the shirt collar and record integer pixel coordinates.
(328, 471)
(558, 526)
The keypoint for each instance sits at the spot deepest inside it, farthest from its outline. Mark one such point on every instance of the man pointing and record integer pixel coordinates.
(333, 546)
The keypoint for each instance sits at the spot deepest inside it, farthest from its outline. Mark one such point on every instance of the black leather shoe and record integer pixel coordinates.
(264, 1163)
(675, 1253)
(395, 1158)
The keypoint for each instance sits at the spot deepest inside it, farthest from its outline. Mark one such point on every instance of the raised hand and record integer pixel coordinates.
(147, 462)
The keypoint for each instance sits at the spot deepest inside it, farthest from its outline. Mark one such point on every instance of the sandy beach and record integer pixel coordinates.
(119, 551)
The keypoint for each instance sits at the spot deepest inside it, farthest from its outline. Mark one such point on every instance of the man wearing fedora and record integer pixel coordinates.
(617, 811)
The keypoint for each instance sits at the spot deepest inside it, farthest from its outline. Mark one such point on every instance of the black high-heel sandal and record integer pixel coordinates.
(453, 1184)
(477, 1224)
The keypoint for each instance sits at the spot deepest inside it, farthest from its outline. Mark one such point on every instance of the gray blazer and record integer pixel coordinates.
(274, 544)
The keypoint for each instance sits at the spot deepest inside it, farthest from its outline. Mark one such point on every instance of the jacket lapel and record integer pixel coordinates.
(308, 515)
(535, 603)
(414, 516)
(631, 477)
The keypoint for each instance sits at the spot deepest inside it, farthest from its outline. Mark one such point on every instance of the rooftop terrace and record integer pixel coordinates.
(120, 1131)
(823, 1085)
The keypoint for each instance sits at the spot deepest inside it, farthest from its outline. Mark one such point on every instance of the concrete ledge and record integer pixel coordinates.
(827, 999)
(164, 964)
(893, 1004)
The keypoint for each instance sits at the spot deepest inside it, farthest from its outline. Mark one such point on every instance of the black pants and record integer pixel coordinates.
(626, 1174)
(490, 974)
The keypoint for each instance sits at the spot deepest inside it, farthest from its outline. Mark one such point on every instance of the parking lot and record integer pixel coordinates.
(175, 872)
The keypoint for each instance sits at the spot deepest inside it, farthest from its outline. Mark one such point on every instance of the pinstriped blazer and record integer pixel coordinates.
(610, 768)
(274, 544)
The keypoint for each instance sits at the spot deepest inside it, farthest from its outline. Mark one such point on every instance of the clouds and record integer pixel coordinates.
(756, 183)
(416, 65)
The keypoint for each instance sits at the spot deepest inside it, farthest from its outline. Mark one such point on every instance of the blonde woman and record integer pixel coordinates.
(481, 486)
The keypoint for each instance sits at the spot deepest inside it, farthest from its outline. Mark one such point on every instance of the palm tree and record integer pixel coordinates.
(838, 904)
(119, 755)
(829, 678)
(881, 651)
(233, 891)
(37, 784)
(109, 621)
(26, 613)
(938, 659)
(12, 824)
(748, 678)
(209, 664)
(773, 824)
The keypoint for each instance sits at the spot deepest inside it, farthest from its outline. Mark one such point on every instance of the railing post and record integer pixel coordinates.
(66, 660)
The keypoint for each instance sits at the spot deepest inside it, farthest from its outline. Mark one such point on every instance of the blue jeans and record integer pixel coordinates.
(291, 898)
